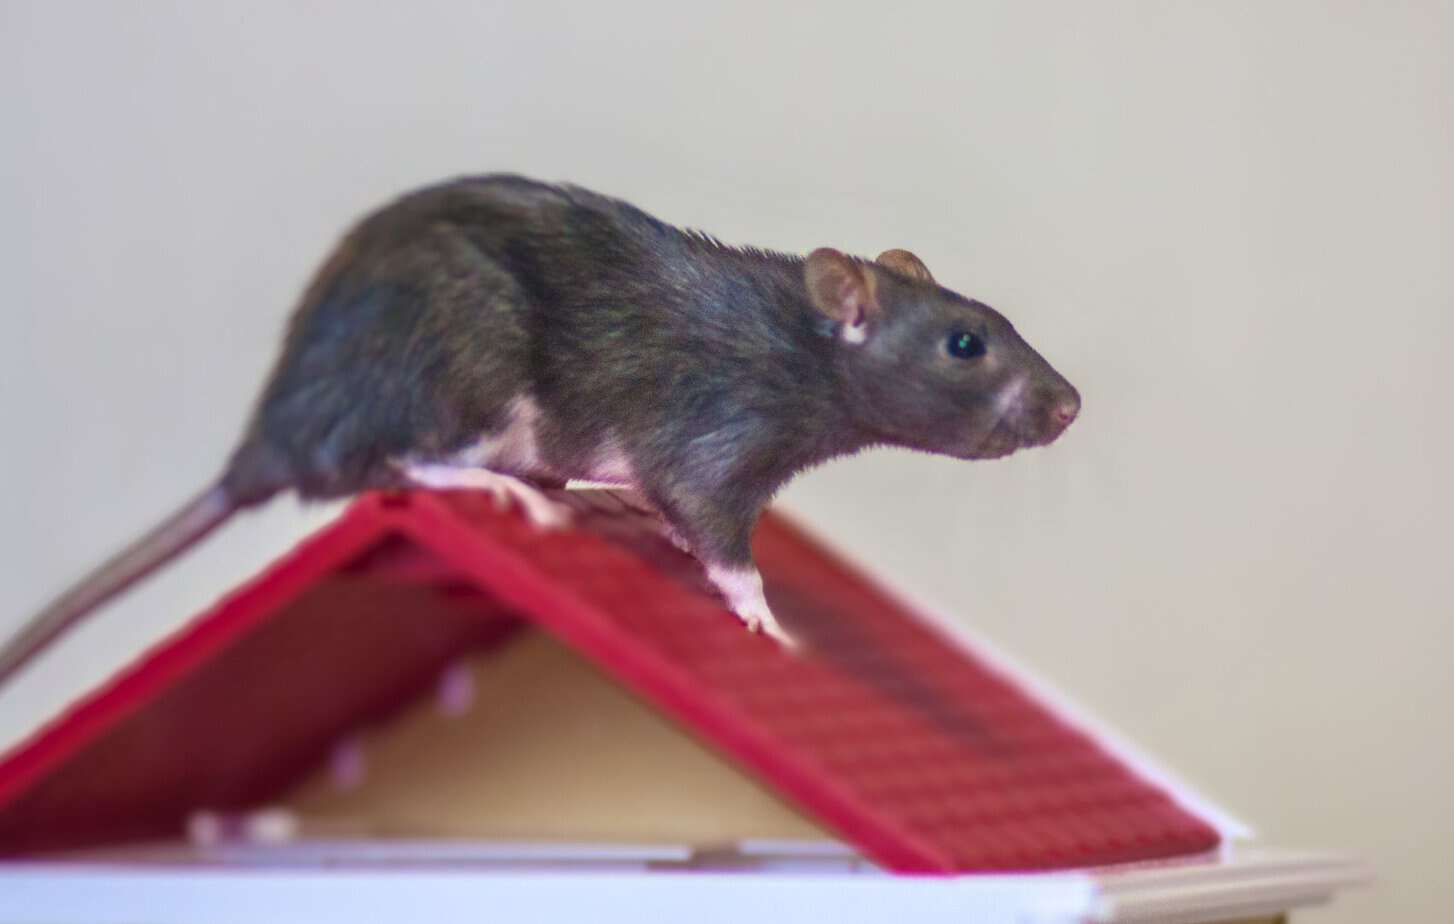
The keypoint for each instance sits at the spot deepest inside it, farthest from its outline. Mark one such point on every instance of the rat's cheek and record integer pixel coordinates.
(986, 432)
(951, 434)
(1010, 398)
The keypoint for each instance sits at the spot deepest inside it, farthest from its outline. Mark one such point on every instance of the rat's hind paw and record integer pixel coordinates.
(538, 509)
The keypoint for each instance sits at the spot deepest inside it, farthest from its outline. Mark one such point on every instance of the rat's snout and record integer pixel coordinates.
(1066, 409)
(1057, 407)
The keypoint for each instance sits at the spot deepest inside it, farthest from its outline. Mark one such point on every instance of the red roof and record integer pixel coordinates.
(909, 747)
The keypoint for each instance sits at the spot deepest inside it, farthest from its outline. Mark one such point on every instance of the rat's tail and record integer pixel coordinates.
(191, 522)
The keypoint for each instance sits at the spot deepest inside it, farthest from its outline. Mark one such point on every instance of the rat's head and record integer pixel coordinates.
(926, 368)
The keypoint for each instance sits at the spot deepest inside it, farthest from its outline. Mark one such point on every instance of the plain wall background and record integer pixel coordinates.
(1229, 224)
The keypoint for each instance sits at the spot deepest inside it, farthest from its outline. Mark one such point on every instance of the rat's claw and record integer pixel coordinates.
(775, 631)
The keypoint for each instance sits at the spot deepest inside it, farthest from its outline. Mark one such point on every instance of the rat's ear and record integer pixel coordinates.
(905, 264)
(842, 290)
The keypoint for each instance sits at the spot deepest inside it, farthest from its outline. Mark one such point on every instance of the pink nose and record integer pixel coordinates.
(1066, 410)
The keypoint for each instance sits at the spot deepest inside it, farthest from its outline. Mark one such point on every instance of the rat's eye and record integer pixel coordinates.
(964, 345)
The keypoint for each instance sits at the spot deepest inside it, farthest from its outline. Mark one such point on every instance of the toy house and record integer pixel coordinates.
(430, 707)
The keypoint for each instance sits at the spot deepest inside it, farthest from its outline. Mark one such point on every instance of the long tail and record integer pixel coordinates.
(191, 522)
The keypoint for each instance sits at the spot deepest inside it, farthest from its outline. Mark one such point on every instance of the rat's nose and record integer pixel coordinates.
(1066, 409)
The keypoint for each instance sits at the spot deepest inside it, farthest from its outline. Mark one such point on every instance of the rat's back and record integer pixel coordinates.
(416, 332)
(438, 310)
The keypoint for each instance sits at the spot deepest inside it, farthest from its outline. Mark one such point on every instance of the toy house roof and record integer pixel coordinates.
(919, 753)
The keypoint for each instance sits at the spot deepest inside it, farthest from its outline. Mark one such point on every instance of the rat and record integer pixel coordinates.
(500, 334)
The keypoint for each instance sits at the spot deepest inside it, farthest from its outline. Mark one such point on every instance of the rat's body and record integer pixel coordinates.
(499, 333)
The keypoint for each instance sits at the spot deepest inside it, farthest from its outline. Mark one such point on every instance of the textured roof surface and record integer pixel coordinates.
(909, 747)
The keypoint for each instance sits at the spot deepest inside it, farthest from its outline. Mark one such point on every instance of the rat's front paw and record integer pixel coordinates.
(762, 620)
(742, 587)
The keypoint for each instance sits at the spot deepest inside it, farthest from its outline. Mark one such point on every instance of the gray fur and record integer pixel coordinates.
(708, 365)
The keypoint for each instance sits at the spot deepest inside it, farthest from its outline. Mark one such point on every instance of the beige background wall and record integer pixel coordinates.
(1230, 224)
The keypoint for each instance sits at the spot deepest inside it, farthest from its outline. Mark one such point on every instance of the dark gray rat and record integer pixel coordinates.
(502, 334)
